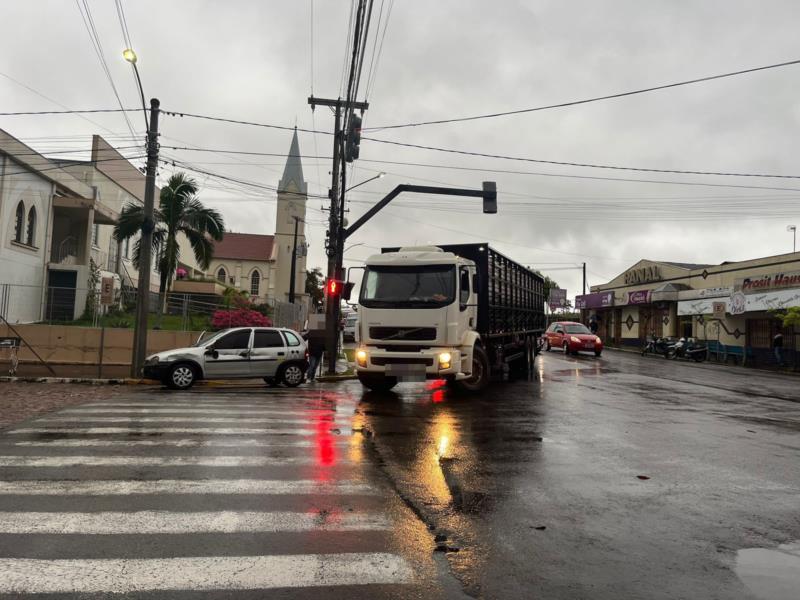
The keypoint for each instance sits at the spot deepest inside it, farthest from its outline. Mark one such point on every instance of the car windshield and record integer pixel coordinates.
(576, 328)
(417, 286)
(207, 339)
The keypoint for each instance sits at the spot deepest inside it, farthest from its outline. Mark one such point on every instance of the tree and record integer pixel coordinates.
(315, 286)
(790, 317)
(179, 211)
(548, 285)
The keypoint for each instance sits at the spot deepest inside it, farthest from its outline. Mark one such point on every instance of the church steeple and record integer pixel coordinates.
(292, 180)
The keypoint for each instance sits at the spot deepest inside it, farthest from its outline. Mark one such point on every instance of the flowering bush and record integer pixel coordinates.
(239, 317)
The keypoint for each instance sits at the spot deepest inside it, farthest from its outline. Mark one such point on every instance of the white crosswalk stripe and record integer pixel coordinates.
(104, 525)
(201, 573)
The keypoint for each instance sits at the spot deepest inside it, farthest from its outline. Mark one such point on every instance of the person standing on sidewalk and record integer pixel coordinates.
(777, 348)
(316, 346)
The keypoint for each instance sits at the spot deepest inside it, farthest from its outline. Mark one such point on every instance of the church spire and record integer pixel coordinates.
(292, 180)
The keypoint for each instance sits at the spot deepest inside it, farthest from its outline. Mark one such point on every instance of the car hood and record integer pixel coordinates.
(193, 352)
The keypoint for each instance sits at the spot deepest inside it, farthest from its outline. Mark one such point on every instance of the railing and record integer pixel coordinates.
(66, 252)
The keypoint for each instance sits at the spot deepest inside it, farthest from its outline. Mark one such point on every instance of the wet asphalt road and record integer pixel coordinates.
(618, 477)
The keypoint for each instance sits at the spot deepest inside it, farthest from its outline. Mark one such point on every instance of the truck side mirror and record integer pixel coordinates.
(347, 290)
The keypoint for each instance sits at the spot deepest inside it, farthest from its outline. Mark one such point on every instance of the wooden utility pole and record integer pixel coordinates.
(145, 246)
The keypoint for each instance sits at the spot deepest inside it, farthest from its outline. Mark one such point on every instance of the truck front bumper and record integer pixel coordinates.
(424, 364)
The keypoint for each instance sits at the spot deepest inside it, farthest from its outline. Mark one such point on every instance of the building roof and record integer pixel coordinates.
(293, 171)
(688, 266)
(244, 246)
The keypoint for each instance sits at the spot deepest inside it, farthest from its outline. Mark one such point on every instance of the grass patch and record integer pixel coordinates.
(127, 320)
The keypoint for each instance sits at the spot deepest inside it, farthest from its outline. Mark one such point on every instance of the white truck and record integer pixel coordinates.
(464, 313)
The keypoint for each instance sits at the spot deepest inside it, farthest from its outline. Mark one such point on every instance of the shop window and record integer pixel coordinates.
(19, 223)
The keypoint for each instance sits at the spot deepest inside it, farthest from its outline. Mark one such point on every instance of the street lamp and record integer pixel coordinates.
(378, 176)
(353, 246)
(129, 55)
(793, 229)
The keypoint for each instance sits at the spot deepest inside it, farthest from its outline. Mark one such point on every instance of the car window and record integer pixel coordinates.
(552, 328)
(235, 340)
(291, 338)
(577, 328)
(265, 338)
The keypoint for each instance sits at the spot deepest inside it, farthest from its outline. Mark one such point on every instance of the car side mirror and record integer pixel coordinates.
(210, 351)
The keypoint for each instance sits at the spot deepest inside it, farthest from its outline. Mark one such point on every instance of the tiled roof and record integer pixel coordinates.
(244, 246)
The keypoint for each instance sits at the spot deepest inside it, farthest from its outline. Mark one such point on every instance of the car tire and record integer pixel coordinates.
(271, 381)
(480, 372)
(292, 375)
(566, 348)
(547, 346)
(377, 383)
(181, 377)
(597, 354)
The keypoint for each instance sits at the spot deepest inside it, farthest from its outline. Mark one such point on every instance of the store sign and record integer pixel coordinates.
(596, 300)
(740, 303)
(640, 297)
(558, 298)
(107, 291)
(718, 309)
(776, 281)
(717, 292)
(643, 275)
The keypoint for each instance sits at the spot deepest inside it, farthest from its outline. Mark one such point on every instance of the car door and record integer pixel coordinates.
(230, 357)
(557, 337)
(296, 346)
(269, 350)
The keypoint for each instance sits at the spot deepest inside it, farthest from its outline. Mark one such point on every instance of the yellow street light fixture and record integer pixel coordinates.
(129, 55)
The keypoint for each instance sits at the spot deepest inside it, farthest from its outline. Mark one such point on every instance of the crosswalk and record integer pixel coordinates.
(201, 493)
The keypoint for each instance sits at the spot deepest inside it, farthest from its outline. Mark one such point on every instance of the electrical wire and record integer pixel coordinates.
(68, 112)
(589, 100)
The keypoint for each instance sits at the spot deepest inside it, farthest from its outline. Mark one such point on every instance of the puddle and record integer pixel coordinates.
(771, 573)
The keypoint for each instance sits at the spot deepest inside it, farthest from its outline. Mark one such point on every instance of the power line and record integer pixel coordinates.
(67, 112)
(589, 100)
(577, 164)
(239, 122)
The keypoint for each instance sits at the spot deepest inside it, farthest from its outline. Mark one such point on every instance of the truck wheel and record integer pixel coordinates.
(480, 372)
(377, 383)
(180, 377)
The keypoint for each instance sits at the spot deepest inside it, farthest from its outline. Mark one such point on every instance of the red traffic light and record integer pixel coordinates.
(334, 287)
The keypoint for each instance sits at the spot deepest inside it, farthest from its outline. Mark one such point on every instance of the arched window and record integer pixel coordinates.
(30, 234)
(255, 282)
(221, 275)
(19, 223)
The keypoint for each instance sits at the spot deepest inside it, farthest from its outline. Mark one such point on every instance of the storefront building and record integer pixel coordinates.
(732, 305)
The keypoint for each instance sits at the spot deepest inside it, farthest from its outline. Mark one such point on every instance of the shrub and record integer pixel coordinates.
(239, 317)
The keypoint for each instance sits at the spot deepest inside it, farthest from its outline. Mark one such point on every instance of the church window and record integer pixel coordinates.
(30, 234)
(255, 283)
(19, 224)
(221, 275)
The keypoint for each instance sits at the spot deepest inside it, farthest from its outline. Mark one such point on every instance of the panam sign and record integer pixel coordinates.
(643, 275)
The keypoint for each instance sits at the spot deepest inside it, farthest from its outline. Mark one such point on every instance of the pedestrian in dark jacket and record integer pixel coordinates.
(777, 348)
(316, 346)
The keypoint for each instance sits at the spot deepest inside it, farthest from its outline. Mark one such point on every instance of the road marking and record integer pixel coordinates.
(189, 419)
(180, 443)
(168, 522)
(25, 575)
(155, 461)
(182, 486)
(315, 413)
(163, 430)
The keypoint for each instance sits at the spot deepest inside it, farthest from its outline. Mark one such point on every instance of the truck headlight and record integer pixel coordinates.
(444, 360)
(361, 358)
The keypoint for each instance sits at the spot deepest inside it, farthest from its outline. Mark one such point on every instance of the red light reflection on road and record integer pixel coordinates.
(437, 396)
(324, 442)
(436, 388)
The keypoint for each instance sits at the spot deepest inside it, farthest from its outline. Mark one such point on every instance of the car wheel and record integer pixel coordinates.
(597, 354)
(547, 346)
(271, 381)
(292, 375)
(181, 377)
(566, 347)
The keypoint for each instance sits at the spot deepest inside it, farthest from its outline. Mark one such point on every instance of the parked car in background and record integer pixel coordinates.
(276, 355)
(350, 323)
(572, 338)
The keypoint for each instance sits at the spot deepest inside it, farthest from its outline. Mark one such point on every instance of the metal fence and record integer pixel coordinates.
(86, 307)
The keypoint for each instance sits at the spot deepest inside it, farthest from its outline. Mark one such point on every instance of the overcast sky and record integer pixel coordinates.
(252, 60)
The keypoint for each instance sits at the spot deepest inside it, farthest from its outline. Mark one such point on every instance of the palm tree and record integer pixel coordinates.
(179, 211)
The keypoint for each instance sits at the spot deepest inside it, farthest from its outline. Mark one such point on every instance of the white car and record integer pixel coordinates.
(350, 323)
(275, 354)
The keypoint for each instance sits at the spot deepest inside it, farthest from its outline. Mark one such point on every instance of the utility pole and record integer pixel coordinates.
(294, 262)
(584, 279)
(145, 246)
(335, 241)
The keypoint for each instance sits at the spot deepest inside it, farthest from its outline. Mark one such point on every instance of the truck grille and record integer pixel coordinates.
(380, 361)
(402, 333)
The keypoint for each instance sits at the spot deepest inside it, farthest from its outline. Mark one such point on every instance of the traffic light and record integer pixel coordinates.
(489, 197)
(334, 288)
(353, 138)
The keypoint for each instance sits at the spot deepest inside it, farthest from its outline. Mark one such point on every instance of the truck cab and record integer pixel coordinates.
(418, 313)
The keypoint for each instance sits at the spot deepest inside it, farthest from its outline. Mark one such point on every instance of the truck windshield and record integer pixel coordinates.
(418, 286)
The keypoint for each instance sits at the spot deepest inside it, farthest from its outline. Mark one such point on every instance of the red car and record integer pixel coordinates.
(572, 337)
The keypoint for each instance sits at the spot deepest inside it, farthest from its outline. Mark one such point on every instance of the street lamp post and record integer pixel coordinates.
(793, 229)
(378, 176)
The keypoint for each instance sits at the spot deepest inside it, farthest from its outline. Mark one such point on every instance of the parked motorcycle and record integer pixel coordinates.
(660, 345)
(690, 349)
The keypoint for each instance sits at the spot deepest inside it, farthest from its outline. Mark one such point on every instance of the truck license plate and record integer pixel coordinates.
(406, 372)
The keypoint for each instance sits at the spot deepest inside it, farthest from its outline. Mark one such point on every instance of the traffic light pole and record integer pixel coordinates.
(292, 277)
(335, 241)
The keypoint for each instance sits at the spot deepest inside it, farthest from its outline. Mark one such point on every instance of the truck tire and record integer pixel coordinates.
(480, 372)
(377, 383)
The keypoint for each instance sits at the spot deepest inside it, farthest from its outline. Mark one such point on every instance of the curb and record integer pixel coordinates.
(84, 380)
(335, 378)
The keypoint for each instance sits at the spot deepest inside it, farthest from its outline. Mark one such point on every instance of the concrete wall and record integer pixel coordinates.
(81, 345)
